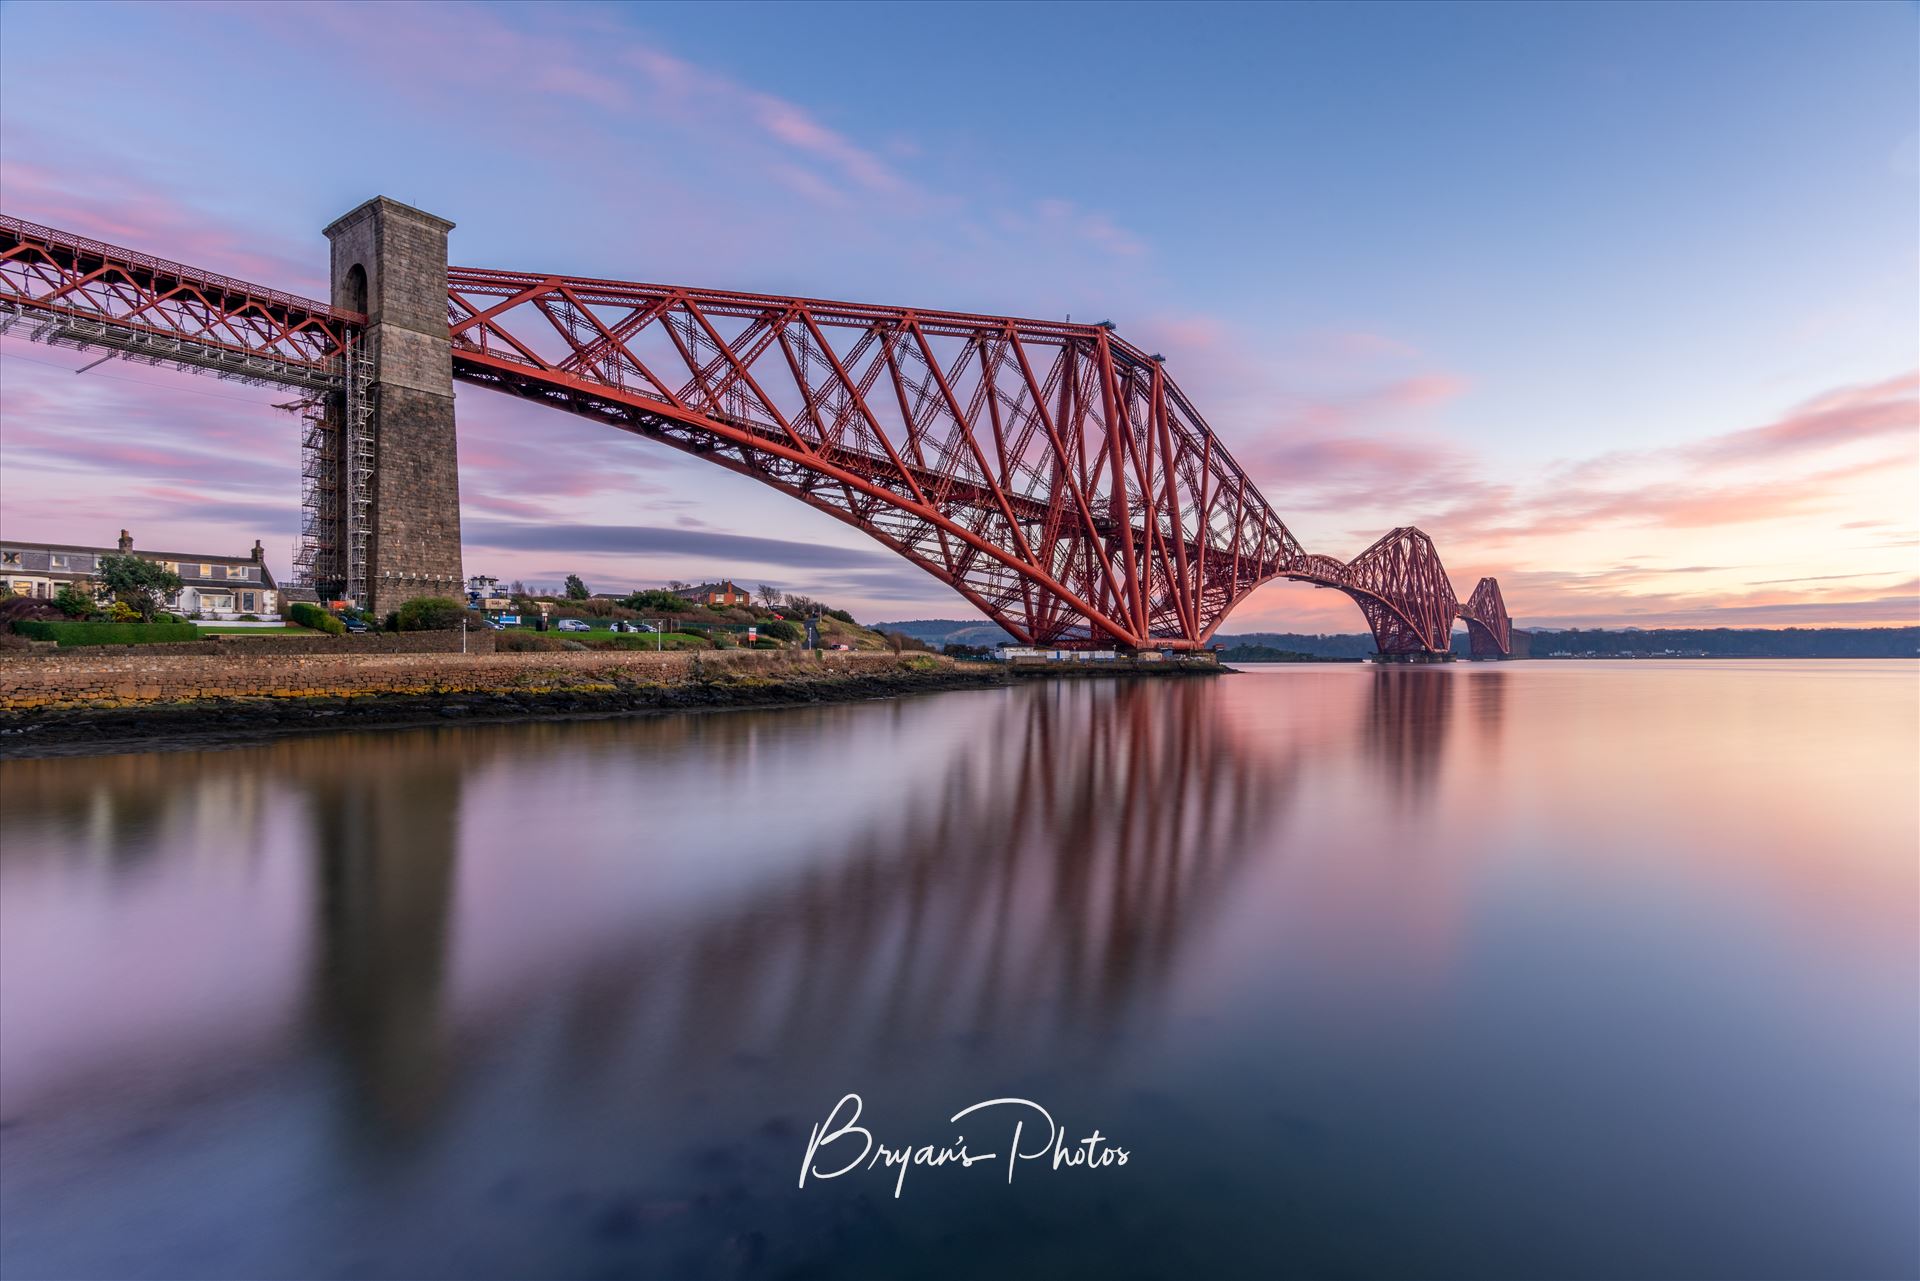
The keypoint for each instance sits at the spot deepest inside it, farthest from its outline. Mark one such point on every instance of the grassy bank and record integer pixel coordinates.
(135, 704)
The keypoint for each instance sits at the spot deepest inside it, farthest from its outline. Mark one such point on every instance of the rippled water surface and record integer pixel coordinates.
(1549, 969)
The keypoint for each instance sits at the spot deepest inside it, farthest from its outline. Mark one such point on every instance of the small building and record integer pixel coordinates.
(211, 586)
(720, 593)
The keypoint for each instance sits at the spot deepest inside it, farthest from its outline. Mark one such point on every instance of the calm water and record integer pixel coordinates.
(1549, 969)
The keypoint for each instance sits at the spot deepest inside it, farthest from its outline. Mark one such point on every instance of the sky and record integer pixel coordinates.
(1621, 303)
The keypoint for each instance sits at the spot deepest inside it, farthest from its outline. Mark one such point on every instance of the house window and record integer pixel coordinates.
(206, 571)
(10, 558)
(246, 602)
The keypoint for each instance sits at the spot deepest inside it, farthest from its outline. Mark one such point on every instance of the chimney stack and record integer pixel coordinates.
(126, 541)
(259, 553)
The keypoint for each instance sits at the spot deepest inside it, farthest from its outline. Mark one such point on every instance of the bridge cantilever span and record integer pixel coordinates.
(1051, 473)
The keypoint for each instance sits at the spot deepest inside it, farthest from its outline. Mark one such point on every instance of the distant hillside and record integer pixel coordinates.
(950, 631)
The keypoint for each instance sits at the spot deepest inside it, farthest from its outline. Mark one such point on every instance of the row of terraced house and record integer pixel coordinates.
(210, 586)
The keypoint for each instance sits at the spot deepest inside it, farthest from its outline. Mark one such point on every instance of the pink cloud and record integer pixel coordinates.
(116, 204)
(1890, 407)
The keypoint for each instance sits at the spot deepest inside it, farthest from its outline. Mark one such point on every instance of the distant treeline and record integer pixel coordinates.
(1268, 654)
(1727, 642)
(1714, 642)
(1303, 643)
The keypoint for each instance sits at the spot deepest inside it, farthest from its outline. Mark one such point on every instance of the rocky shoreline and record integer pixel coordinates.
(207, 722)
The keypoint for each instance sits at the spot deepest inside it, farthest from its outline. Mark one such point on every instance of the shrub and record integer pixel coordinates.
(659, 602)
(106, 633)
(121, 612)
(781, 629)
(74, 602)
(15, 608)
(843, 616)
(249, 618)
(431, 614)
(310, 615)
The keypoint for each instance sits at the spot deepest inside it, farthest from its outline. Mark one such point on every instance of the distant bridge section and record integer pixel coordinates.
(1051, 473)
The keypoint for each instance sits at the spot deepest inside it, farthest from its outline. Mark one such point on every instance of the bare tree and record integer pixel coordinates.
(675, 586)
(769, 595)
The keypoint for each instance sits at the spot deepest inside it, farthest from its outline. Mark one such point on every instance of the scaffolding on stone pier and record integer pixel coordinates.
(360, 451)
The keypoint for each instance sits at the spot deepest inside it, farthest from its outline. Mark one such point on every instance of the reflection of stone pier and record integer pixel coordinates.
(385, 827)
(1408, 711)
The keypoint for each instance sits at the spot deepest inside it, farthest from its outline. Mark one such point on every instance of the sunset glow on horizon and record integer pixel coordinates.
(1620, 308)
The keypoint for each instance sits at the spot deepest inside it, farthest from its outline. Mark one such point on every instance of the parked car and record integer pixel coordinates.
(356, 624)
(574, 625)
(645, 627)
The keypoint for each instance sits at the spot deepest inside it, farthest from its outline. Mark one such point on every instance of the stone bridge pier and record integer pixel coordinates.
(398, 478)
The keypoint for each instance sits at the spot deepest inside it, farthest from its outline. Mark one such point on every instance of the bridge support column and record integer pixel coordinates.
(400, 479)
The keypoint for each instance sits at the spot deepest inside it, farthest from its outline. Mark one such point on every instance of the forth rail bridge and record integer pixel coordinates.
(1051, 473)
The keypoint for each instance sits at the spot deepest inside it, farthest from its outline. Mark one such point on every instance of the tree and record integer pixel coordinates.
(677, 587)
(430, 614)
(769, 595)
(138, 584)
(518, 589)
(576, 590)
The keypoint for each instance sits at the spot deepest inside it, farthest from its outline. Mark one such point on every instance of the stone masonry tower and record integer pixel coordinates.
(399, 516)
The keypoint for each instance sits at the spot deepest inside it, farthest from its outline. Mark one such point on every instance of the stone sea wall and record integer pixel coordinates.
(478, 641)
(129, 678)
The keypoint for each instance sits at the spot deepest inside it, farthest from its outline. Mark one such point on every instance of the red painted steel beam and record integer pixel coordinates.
(1489, 627)
(1051, 473)
(89, 293)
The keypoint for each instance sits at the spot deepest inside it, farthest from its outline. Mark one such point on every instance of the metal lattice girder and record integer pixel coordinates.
(89, 294)
(1489, 628)
(1051, 473)
(1401, 587)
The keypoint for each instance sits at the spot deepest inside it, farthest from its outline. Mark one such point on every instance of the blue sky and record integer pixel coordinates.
(1618, 301)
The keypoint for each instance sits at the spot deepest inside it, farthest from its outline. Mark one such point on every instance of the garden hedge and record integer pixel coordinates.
(106, 633)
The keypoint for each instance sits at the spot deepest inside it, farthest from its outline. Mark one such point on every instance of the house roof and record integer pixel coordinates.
(183, 559)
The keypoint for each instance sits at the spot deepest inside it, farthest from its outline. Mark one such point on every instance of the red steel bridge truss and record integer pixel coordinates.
(1051, 473)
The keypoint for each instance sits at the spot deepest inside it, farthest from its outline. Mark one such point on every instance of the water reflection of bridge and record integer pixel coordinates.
(1038, 890)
